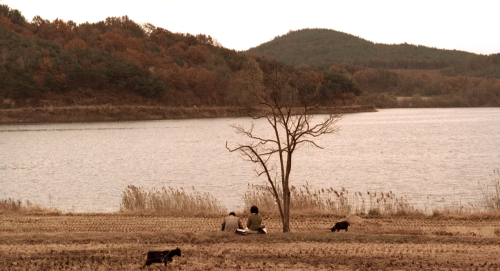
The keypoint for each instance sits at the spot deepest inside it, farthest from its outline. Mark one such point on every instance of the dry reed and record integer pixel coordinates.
(304, 200)
(169, 200)
(491, 192)
(487, 206)
(12, 206)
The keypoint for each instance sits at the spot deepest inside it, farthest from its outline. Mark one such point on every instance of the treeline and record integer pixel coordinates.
(117, 61)
(394, 75)
(420, 88)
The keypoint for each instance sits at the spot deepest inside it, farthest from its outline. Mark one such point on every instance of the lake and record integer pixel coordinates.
(434, 156)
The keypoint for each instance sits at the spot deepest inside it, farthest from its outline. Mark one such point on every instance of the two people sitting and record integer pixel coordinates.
(232, 223)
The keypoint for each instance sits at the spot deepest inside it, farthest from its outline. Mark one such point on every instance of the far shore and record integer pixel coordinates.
(108, 113)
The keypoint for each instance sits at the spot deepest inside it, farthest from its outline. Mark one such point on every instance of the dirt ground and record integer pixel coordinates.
(120, 242)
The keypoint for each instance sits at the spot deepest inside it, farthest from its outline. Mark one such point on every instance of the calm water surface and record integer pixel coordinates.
(435, 156)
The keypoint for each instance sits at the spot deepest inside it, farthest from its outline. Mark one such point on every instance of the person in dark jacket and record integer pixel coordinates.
(254, 223)
(231, 223)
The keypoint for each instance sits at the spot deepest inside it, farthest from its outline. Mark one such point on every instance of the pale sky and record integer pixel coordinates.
(466, 25)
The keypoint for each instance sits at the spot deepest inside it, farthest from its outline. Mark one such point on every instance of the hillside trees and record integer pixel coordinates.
(391, 72)
(337, 87)
(104, 62)
(330, 47)
(477, 66)
(34, 67)
(241, 81)
(13, 15)
(382, 88)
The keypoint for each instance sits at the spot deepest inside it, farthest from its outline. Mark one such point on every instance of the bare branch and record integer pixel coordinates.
(289, 116)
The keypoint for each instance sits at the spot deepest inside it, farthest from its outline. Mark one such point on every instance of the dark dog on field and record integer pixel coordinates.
(343, 225)
(161, 256)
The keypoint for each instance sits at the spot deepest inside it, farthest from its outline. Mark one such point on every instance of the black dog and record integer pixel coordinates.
(343, 225)
(161, 256)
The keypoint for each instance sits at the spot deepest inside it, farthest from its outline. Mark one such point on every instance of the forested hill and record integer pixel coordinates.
(328, 47)
(120, 62)
(400, 75)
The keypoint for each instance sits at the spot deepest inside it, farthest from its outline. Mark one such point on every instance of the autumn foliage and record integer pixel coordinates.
(116, 61)
(120, 62)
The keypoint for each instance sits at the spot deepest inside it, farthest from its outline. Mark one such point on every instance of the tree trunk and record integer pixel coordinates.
(286, 213)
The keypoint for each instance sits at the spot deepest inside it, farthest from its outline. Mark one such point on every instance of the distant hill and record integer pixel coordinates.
(328, 47)
(397, 75)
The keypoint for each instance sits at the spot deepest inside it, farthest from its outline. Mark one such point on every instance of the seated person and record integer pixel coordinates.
(254, 223)
(231, 223)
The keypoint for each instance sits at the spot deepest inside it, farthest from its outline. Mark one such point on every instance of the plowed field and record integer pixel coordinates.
(120, 242)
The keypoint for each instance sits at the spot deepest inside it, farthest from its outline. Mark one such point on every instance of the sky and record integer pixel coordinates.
(465, 25)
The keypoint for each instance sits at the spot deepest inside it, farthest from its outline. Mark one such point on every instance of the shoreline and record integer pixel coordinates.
(111, 113)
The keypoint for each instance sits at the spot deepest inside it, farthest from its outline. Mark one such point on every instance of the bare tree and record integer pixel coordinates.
(289, 102)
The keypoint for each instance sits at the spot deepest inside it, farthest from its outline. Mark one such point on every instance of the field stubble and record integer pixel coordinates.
(120, 241)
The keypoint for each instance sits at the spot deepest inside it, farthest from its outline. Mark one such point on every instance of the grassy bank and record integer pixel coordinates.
(135, 113)
(36, 238)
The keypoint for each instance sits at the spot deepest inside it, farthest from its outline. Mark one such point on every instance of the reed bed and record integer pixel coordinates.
(341, 202)
(169, 200)
(304, 201)
(491, 192)
(488, 204)
(12, 206)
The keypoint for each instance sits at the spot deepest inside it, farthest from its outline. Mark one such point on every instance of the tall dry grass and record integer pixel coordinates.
(303, 201)
(488, 204)
(491, 192)
(11, 206)
(169, 200)
(341, 202)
